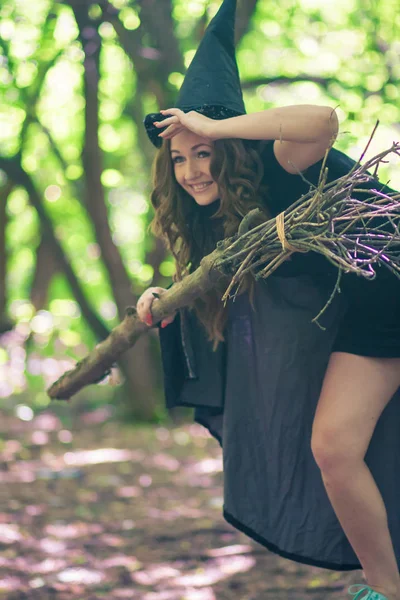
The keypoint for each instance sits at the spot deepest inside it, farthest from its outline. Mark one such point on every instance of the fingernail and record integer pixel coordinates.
(163, 325)
(149, 321)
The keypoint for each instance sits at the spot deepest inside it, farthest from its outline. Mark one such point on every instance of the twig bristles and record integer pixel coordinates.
(355, 235)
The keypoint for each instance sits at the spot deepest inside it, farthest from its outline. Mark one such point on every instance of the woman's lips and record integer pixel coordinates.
(200, 187)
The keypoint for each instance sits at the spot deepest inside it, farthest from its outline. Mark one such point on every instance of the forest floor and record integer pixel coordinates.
(102, 510)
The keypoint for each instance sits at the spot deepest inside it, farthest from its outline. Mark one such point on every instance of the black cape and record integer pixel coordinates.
(257, 395)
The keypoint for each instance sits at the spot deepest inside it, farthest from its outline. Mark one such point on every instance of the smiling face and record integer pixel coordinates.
(191, 156)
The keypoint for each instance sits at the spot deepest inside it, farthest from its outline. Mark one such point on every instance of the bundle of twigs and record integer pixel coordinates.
(354, 234)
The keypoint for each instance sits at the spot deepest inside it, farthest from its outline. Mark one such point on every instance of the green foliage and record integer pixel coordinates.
(340, 52)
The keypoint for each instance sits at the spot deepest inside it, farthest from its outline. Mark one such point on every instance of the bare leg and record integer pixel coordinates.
(356, 389)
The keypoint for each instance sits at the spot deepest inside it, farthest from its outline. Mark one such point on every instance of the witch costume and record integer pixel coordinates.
(257, 394)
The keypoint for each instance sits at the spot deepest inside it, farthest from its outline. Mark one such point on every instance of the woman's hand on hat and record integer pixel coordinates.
(179, 120)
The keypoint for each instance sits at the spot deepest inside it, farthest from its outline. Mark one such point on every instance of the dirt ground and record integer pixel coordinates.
(100, 510)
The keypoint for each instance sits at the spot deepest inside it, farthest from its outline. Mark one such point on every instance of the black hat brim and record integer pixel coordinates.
(214, 111)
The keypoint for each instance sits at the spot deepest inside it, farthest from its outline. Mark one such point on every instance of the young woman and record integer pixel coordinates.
(308, 418)
(357, 386)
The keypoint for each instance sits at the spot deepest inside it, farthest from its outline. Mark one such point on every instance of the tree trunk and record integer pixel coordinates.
(4, 193)
(46, 268)
(139, 375)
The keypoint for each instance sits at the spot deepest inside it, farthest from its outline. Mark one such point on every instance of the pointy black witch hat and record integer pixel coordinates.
(211, 85)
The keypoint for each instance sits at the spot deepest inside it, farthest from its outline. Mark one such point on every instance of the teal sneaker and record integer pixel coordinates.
(369, 593)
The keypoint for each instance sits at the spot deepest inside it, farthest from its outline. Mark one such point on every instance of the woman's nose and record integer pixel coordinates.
(192, 170)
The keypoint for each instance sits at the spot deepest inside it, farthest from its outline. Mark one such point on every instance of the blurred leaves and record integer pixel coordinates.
(341, 52)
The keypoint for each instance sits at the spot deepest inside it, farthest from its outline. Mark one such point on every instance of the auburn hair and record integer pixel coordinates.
(237, 168)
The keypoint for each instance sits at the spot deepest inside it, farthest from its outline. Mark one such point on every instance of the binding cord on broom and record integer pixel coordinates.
(280, 230)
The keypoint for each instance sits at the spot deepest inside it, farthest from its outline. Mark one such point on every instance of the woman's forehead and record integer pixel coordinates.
(185, 140)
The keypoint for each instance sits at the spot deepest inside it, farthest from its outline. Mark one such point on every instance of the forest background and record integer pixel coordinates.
(76, 80)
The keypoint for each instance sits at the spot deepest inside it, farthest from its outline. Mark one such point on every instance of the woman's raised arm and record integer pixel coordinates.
(302, 133)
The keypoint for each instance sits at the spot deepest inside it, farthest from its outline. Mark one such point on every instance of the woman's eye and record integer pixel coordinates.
(201, 154)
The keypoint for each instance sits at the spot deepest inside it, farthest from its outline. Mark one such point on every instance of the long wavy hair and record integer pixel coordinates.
(237, 168)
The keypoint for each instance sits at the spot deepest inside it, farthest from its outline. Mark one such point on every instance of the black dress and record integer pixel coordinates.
(258, 393)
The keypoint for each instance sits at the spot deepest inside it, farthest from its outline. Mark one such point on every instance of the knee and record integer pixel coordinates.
(330, 450)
